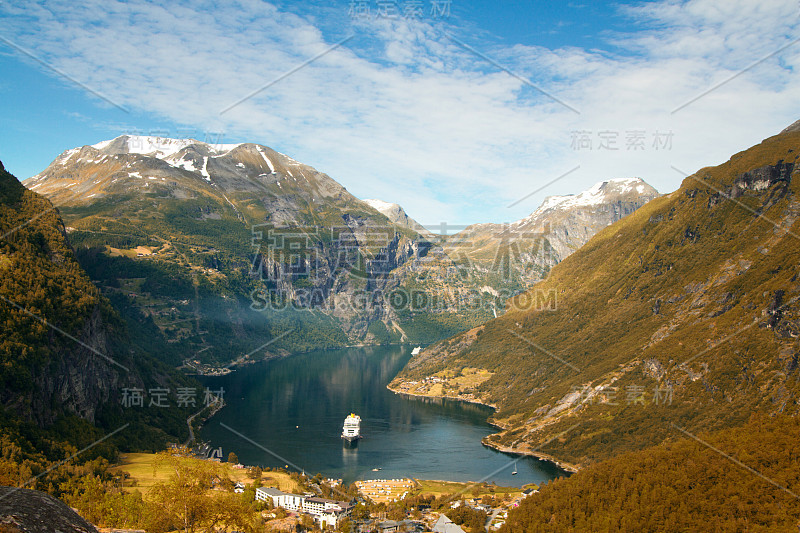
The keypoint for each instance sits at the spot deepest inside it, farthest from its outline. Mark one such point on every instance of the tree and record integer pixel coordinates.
(360, 512)
(255, 472)
(473, 520)
(233, 458)
(396, 512)
(228, 510)
(307, 522)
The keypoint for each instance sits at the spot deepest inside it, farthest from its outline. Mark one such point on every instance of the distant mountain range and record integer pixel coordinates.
(224, 247)
(527, 248)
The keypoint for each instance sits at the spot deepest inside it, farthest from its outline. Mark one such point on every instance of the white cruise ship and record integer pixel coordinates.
(351, 431)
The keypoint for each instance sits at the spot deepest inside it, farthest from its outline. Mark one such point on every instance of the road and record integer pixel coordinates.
(216, 406)
(191, 429)
(493, 516)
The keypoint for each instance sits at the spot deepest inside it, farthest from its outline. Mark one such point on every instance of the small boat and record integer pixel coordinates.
(376, 469)
(514, 473)
(416, 350)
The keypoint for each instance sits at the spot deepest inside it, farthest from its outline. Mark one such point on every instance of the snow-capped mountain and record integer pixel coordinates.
(243, 217)
(562, 224)
(159, 147)
(600, 193)
(397, 214)
(188, 169)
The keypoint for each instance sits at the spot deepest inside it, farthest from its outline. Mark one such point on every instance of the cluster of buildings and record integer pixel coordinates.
(326, 512)
(475, 503)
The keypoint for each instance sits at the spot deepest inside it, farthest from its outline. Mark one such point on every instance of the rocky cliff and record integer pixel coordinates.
(55, 333)
(64, 348)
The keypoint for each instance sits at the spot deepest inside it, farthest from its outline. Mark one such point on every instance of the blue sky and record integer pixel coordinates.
(455, 113)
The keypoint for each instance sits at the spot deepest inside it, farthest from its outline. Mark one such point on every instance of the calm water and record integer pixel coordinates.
(292, 410)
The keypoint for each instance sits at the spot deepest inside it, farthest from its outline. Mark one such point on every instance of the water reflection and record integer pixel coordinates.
(350, 457)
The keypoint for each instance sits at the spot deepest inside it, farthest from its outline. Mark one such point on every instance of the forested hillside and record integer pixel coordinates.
(66, 357)
(685, 485)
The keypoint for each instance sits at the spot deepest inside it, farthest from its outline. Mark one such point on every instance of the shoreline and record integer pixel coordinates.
(243, 362)
(448, 397)
(563, 465)
(216, 407)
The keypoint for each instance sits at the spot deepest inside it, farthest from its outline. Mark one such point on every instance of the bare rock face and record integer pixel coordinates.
(763, 177)
(83, 381)
(31, 511)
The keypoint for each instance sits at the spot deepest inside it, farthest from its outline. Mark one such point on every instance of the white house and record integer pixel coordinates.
(265, 494)
(327, 512)
(287, 500)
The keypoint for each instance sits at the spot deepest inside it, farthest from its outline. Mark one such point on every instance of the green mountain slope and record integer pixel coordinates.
(685, 312)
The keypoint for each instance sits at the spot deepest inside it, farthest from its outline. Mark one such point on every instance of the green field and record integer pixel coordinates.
(143, 476)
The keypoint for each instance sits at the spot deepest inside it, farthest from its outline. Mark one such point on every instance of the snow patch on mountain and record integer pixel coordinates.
(266, 159)
(204, 170)
(184, 164)
(99, 146)
(161, 147)
(598, 194)
(385, 208)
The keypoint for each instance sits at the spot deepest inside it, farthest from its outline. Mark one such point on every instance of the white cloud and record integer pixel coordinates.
(404, 114)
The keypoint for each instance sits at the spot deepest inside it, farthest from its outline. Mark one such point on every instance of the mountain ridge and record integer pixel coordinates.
(217, 220)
